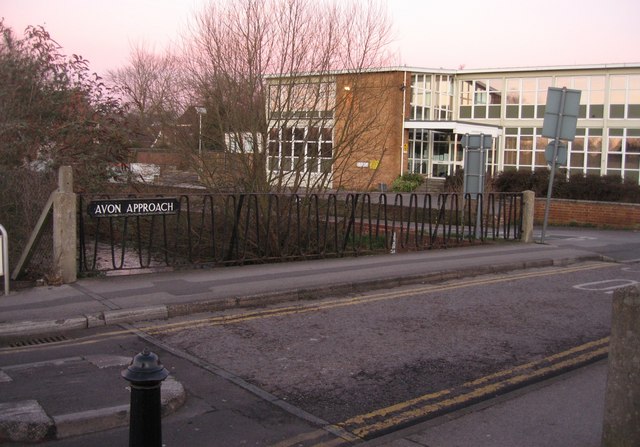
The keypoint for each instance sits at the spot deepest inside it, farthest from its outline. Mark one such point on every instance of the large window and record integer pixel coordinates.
(526, 97)
(481, 99)
(421, 97)
(443, 95)
(592, 90)
(524, 148)
(625, 97)
(419, 151)
(301, 149)
(585, 152)
(431, 97)
(624, 154)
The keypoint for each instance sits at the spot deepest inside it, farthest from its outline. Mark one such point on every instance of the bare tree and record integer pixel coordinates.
(267, 72)
(153, 87)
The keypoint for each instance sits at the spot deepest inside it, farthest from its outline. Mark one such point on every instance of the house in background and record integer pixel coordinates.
(366, 129)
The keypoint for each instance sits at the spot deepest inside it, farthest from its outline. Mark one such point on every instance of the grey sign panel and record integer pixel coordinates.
(561, 113)
(561, 157)
(474, 171)
(480, 141)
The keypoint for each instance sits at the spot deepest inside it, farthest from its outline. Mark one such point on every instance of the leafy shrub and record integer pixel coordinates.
(23, 194)
(407, 183)
(455, 182)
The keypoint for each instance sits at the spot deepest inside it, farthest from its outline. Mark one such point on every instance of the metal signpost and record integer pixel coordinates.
(475, 168)
(475, 162)
(560, 122)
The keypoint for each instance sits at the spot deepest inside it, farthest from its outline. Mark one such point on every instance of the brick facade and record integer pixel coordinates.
(161, 157)
(369, 107)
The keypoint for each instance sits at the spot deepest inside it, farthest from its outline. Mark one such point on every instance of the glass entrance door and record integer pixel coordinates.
(446, 155)
(441, 156)
(434, 153)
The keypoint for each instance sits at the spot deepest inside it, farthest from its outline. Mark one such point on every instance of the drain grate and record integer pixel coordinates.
(38, 341)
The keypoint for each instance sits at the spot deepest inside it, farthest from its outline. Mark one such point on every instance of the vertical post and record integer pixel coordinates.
(528, 203)
(556, 143)
(145, 374)
(65, 227)
(621, 427)
(479, 198)
(200, 136)
(403, 89)
(4, 261)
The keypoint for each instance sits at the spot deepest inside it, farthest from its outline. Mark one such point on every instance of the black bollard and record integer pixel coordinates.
(145, 373)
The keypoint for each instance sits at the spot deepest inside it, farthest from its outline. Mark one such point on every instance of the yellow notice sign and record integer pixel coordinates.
(373, 164)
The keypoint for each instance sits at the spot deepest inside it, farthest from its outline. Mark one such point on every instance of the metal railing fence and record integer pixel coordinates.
(225, 229)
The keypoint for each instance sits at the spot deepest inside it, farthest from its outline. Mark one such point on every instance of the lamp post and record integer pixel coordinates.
(201, 111)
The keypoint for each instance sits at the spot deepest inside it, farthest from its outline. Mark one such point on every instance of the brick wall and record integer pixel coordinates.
(162, 157)
(599, 214)
(368, 129)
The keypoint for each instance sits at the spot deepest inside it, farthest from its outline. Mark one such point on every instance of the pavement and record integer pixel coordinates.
(31, 314)
(566, 411)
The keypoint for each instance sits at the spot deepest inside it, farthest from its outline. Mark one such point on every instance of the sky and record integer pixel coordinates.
(471, 34)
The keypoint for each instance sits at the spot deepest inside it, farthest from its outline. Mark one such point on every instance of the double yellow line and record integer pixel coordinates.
(427, 406)
(430, 405)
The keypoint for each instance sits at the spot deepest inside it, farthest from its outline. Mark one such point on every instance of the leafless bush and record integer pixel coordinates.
(23, 195)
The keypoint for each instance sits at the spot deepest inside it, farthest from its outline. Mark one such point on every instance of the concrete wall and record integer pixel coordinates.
(598, 214)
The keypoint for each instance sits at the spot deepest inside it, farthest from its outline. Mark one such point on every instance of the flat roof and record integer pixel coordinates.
(633, 65)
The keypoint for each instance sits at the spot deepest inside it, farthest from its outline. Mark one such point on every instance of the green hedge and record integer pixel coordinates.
(607, 188)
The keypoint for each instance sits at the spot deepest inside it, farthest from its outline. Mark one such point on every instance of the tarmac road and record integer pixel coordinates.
(621, 246)
(350, 359)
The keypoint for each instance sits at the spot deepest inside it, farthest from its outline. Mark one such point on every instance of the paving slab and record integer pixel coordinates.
(36, 397)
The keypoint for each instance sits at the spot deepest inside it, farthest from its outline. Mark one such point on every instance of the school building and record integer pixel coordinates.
(369, 127)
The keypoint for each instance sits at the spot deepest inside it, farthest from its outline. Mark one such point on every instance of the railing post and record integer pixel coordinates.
(4, 258)
(528, 204)
(65, 227)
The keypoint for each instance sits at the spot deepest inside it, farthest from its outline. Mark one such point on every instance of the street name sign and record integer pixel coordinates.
(133, 207)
